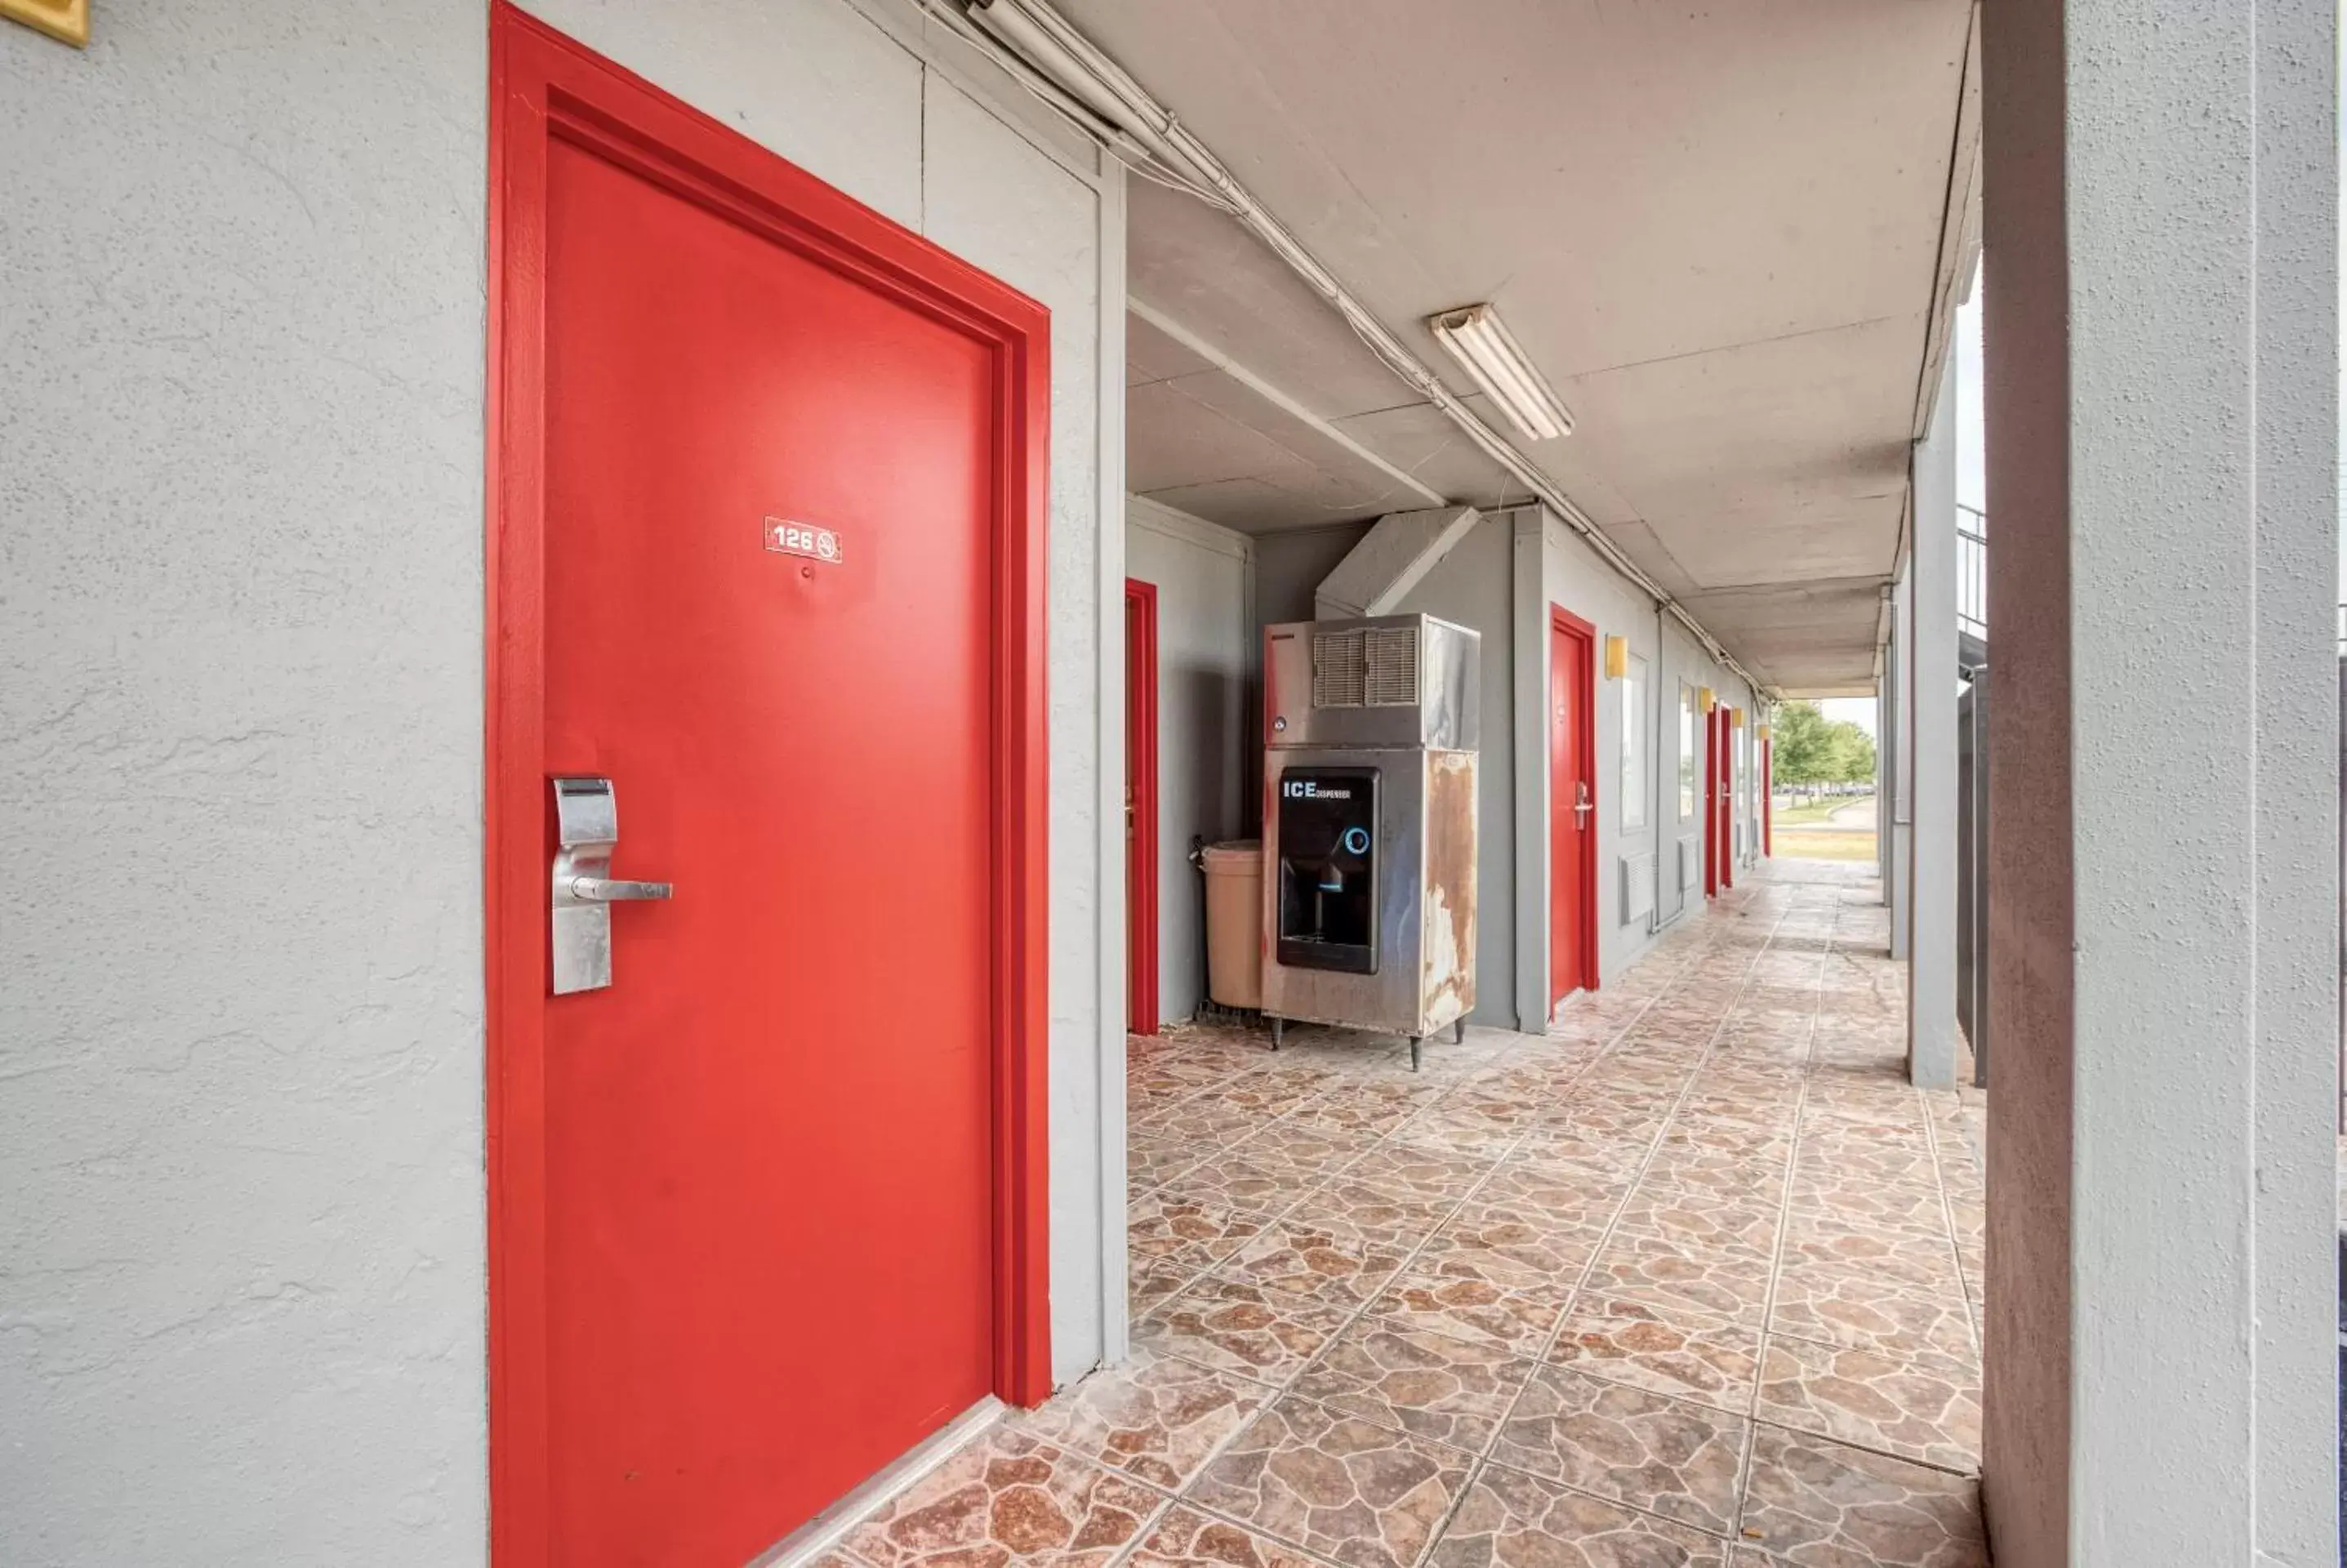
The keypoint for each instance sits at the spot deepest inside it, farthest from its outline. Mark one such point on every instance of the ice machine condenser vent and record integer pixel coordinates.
(1376, 668)
(1392, 678)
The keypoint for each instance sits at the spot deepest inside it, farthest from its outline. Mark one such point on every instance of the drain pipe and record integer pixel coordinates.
(1029, 34)
(1655, 921)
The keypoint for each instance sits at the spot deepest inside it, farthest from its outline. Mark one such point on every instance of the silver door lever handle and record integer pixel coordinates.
(605, 890)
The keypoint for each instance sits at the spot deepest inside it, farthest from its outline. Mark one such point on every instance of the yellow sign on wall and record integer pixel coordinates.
(66, 20)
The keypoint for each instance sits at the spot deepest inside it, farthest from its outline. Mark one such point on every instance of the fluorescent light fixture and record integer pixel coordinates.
(1484, 348)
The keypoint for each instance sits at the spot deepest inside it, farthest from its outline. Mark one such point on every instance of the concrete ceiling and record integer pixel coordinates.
(1722, 230)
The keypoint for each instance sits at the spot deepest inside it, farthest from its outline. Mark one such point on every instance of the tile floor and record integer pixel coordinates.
(1692, 1280)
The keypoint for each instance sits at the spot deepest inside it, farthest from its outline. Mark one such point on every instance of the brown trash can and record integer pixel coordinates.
(1234, 923)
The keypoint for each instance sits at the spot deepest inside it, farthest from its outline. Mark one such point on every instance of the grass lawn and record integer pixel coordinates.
(1796, 845)
(1816, 811)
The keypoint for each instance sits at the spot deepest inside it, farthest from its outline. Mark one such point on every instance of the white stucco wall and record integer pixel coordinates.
(1578, 580)
(1207, 736)
(241, 551)
(1290, 564)
(2162, 349)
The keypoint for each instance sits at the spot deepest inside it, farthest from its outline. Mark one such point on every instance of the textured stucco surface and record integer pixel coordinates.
(241, 558)
(240, 1036)
(1930, 677)
(2161, 348)
(1207, 738)
(1576, 578)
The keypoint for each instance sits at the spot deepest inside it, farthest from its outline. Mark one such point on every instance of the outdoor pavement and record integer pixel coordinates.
(1692, 1280)
(1858, 817)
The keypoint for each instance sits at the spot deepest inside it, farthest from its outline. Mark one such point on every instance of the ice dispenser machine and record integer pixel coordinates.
(1371, 735)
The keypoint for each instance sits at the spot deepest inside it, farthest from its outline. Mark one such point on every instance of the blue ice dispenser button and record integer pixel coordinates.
(1357, 841)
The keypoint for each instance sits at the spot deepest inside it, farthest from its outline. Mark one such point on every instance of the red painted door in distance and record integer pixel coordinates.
(768, 1156)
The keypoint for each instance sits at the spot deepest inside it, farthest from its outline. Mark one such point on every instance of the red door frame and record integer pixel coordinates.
(1563, 620)
(1726, 795)
(543, 87)
(1715, 849)
(1141, 797)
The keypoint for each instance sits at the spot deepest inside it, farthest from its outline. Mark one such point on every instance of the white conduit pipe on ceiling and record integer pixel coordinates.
(1051, 57)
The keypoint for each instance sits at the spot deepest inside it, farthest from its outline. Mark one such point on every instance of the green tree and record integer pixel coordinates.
(1857, 754)
(1801, 747)
(1810, 749)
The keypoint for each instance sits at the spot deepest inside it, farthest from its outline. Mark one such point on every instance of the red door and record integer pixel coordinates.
(1572, 807)
(1140, 806)
(1727, 796)
(1711, 849)
(766, 471)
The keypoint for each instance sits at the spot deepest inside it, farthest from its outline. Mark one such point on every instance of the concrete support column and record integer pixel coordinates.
(1929, 757)
(2161, 357)
(1894, 812)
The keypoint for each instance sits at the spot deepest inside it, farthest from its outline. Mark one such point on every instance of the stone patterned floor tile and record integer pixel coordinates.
(1482, 1098)
(1924, 1408)
(1236, 1181)
(1346, 1110)
(1326, 1262)
(1826, 1505)
(1912, 1262)
(1240, 1327)
(1453, 1131)
(1265, 1093)
(1202, 1125)
(1847, 1308)
(1347, 1201)
(1308, 1146)
(1669, 1456)
(1701, 1221)
(1694, 1167)
(1340, 1487)
(1008, 1499)
(1515, 1318)
(1578, 1200)
(1512, 1520)
(1850, 1161)
(1150, 1161)
(1592, 1146)
(1429, 1385)
(1150, 1282)
(1669, 1279)
(1743, 1079)
(1880, 1211)
(1158, 1418)
(1158, 1225)
(1185, 1538)
(1711, 1363)
(1689, 1136)
(1428, 1172)
(1508, 1247)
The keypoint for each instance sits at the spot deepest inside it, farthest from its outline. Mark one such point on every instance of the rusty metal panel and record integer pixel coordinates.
(1448, 965)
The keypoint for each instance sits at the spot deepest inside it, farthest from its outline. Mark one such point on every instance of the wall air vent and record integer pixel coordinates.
(1339, 670)
(1390, 680)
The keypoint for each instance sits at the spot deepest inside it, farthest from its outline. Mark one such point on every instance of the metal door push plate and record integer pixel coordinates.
(586, 834)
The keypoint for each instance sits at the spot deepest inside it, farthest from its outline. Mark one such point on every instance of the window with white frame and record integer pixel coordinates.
(1688, 760)
(1635, 783)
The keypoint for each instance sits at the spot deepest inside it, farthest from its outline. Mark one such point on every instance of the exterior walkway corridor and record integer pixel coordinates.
(1693, 1280)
